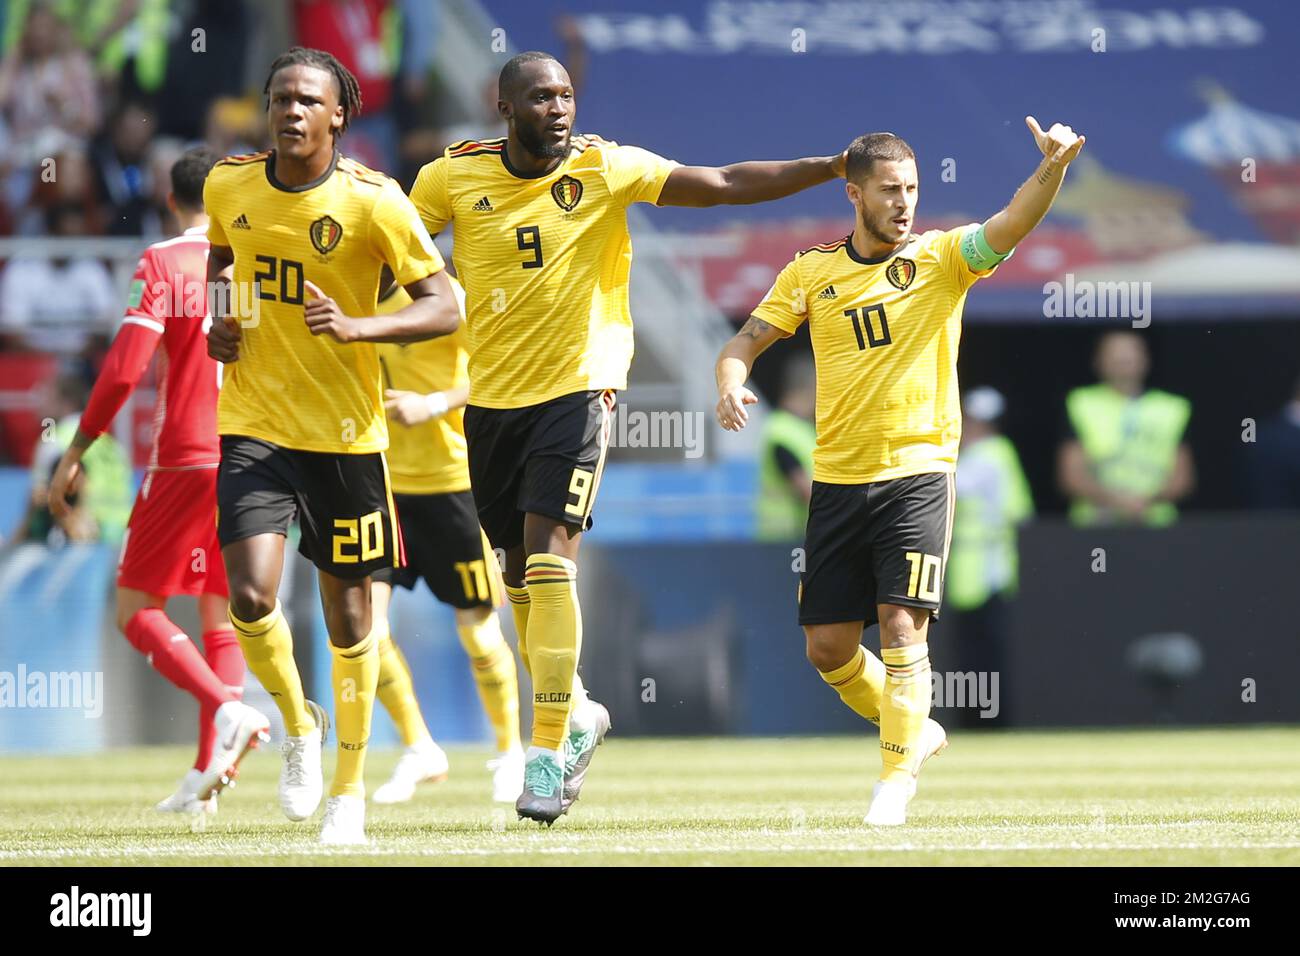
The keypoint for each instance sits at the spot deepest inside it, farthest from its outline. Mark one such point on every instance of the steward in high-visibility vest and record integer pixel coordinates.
(143, 37)
(993, 497)
(786, 440)
(1130, 443)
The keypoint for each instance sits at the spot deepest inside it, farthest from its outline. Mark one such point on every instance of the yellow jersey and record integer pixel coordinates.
(884, 336)
(544, 261)
(429, 458)
(290, 387)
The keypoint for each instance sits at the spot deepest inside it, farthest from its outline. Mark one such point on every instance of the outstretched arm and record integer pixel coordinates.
(1029, 205)
(734, 364)
(744, 183)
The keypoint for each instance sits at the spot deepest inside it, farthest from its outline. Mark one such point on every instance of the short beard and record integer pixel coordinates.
(532, 143)
(875, 233)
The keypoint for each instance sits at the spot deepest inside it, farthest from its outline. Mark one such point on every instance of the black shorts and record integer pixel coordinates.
(445, 546)
(545, 459)
(343, 503)
(885, 542)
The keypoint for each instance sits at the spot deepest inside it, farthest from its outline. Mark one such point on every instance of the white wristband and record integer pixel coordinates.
(437, 403)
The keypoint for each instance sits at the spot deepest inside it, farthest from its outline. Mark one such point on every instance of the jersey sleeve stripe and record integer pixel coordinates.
(827, 246)
(147, 323)
(471, 147)
(244, 158)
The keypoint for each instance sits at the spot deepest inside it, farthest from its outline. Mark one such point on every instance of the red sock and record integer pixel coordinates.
(174, 655)
(221, 648)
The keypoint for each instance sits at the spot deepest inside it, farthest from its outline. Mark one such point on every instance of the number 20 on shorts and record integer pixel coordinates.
(923, 583)
(360, 539)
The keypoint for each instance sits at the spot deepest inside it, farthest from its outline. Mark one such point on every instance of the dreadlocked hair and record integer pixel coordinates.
(349, 90)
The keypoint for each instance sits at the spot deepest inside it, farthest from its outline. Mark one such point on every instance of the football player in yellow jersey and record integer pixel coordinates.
(305, 234)
(427, 387)
(543, 251)
(883, 307)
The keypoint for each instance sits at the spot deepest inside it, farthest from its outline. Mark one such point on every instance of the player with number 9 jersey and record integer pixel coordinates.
(543, 250)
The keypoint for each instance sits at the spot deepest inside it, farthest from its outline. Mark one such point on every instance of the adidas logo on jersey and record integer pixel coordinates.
(483, 205)
(827, 293)
(241, 223)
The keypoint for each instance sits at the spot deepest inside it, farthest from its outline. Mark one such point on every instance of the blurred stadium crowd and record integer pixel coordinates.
(99, 97)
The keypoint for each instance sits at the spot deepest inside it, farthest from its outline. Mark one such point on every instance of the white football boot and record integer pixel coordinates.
(888, 804)
(186, 797)
(507, 775)
(345, 821)
(889, 800)
(423, 762)
(301, 784)
(240, 728)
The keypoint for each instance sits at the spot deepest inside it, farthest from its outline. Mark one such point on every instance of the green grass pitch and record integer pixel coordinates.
(1215, 797)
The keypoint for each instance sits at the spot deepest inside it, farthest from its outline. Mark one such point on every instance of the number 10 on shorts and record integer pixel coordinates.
(923, 583)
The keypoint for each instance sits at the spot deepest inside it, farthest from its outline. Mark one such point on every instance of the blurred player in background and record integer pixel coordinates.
(982, 572)
(301, 413)
(171, 546)
(543, 249)
(101, 506)
(427, 387)
(884, 310)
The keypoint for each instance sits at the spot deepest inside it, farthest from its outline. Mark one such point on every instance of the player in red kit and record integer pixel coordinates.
(171, 546)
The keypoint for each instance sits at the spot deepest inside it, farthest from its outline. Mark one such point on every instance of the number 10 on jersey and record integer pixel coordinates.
(865, 323)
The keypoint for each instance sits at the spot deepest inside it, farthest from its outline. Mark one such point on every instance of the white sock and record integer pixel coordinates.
(534, 752)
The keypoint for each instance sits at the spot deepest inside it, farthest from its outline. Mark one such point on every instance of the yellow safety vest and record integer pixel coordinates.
(1131, 444)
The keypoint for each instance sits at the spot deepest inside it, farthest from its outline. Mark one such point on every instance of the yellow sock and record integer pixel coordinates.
(268, 649)
(903, 708)
(494, 672)
(519, 606)
(356, 672)
(859, 683)
(396, 690)
(554, 642)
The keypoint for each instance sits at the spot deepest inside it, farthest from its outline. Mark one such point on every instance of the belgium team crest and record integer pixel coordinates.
(567, 192)
(900, 273)
(325, 234)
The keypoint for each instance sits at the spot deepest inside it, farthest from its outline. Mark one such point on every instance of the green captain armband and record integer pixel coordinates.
(977, 252)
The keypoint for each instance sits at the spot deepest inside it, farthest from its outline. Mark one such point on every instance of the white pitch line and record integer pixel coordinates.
(314, 849)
